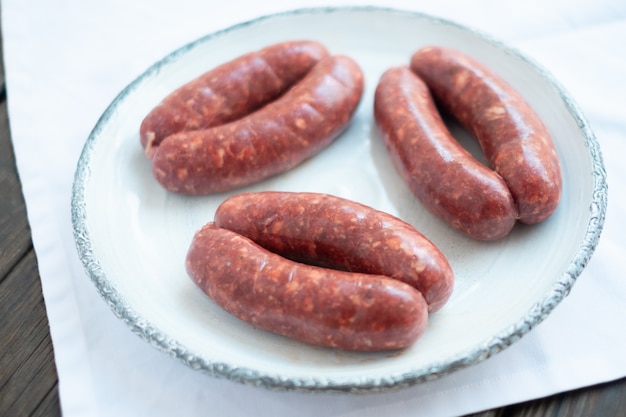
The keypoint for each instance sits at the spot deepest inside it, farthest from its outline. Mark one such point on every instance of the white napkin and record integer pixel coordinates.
(66, 60)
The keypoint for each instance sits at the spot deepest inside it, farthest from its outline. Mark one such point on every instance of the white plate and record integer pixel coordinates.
(132, 235)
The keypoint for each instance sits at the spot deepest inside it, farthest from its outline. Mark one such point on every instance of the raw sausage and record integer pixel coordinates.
(333, 232)
(315, 305)
(513, 138)
(271, 140)
(444, 176)
(230, 91)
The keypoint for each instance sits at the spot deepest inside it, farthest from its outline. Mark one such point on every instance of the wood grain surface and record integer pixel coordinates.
(28, 376)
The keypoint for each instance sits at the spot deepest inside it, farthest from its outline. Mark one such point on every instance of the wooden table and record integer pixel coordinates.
(28, 377)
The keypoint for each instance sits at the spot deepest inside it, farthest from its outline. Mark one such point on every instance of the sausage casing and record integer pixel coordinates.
(513, 138)
(230, 91)
(315, 305)
(333, 232)
(444, 176)
(275, 138)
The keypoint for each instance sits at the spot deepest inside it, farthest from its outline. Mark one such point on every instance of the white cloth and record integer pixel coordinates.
(65, 62)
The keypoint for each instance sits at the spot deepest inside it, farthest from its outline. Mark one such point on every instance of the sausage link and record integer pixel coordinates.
(230, 91)
(438, 170)
(315, 305)
(271, 140)
(513, 138)
(333, 232)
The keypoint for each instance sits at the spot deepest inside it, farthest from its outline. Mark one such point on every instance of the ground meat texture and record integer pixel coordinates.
(230, 91)
(448, 181)
(269, 141)
(512, 136)
(329, 231)
(315, 305)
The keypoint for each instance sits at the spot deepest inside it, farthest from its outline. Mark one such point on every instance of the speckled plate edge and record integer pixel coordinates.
(144, 329)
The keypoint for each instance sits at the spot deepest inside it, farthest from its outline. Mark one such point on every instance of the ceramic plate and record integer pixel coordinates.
(132, 235)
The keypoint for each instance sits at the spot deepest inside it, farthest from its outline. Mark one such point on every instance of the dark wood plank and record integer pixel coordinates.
(1, 54)
(15, 239)
(49, 405)
(489, 413)
(28, 378)
(26, 358)
(602, 400)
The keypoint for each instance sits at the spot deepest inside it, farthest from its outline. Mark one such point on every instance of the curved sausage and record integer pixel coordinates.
(333, 232)
(230, 91)
(271, 140)
(513, 138)
(315, 305)
(441, 173)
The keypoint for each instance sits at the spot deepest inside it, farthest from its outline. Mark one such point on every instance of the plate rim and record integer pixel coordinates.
(274, 381)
